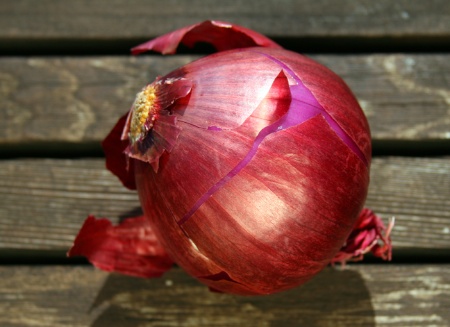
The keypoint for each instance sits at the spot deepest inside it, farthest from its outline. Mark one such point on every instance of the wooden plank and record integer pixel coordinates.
(71, 99)
(140, 19)
(415, 191)
(43, 202)
(361, 295)
(398, 94)
(405, 97)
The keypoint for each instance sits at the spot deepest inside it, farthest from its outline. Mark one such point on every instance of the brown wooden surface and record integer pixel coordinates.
(65, 78)
(405, 97)
(83, 27)
(135, 18)
(362, 295)
(44, 201)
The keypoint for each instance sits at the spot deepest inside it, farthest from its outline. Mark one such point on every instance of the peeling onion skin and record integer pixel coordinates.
(251, 165)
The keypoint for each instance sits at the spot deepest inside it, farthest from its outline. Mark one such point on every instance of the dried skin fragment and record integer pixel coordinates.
(116, 160)
(367, 236)
(151, 129)
(223, 36)
(130, 248)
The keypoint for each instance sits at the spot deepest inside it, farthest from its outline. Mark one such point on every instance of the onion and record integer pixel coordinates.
(251, 164)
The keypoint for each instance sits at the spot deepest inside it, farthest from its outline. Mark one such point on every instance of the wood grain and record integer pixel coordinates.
(43, 202)
(405, 97)
(361, 295)
(61, 91)
(140, 19)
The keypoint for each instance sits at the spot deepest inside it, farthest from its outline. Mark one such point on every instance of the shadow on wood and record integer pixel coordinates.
(333, 298)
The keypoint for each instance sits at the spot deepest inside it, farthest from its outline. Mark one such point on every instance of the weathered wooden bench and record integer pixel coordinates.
(66, 76)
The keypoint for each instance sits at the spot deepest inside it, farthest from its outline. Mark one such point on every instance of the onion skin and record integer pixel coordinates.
(252, 164)
(222, 35)
(131, 248)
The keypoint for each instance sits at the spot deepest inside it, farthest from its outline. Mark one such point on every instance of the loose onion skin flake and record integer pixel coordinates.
(251, 165)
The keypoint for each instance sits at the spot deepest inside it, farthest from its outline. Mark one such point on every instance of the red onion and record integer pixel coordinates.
(251, 164)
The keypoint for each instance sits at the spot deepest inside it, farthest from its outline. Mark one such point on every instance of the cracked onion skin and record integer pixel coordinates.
(251, 164)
